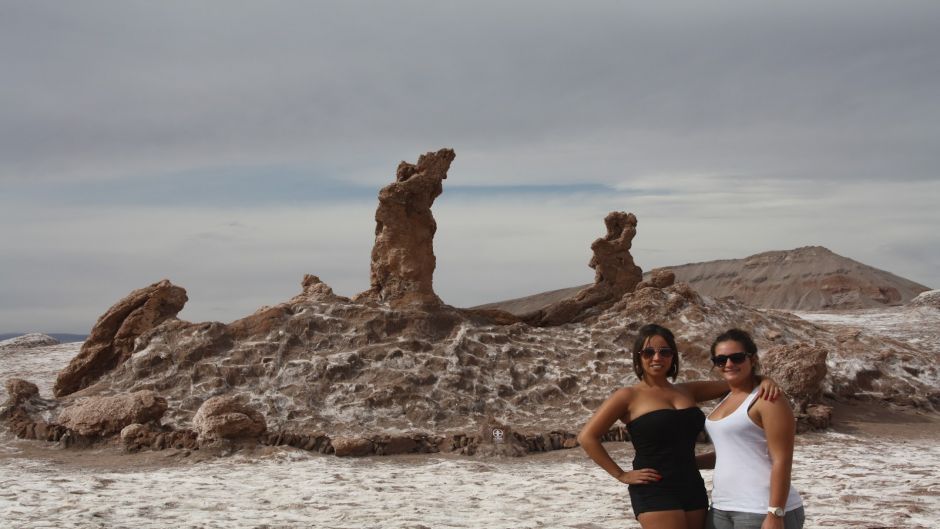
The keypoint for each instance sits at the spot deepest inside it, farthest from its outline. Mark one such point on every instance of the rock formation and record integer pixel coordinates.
(659, 278)
(136, 437)
(34, 339)
(23, 410)
(396, 371)
(615, 275)
(403, 255)
(929, 299)
(227, 417)
(107, 416)
(799, 368)
(112, 338)
(352, 446)
(20, 391)
(498, 439)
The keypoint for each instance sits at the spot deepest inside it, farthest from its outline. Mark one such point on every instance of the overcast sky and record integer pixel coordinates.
(232, 147)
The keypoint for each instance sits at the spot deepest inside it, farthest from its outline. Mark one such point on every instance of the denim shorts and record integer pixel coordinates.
(718, 519)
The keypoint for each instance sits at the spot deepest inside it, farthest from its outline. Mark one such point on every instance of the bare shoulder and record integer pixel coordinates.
(624, 395)
(774, 408)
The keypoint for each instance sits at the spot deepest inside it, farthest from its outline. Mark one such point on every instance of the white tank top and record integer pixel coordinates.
(742, 466)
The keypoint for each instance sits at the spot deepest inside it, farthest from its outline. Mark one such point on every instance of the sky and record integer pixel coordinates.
(233, 147)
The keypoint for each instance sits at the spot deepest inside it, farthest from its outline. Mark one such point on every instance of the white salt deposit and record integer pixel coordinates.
(39, 365)
(846, 482)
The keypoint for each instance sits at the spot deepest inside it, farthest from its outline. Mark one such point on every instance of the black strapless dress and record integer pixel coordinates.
(665, 441)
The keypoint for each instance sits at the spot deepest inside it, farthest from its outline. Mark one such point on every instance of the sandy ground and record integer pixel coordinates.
(864, 475)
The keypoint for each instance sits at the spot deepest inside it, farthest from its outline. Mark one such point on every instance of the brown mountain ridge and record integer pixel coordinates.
(807, 278)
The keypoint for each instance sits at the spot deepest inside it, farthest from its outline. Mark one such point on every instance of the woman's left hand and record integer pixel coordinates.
(769, 390)
(772, 522)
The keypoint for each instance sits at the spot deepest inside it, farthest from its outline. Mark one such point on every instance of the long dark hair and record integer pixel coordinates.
(646, 332)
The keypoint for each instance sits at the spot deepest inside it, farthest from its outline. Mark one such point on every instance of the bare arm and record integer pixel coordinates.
(616, 406)
(780, 428)
(704, 390)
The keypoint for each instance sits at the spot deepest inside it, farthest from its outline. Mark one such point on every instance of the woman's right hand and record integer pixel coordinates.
(643, 476)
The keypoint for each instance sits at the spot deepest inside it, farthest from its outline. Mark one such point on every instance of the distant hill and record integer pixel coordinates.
(62, 337)
(807, 278)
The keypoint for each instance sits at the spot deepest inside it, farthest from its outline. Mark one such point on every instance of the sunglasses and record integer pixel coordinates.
(664, 352)
(736, 358)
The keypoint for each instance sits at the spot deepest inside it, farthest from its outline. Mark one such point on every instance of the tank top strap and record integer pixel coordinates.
(746, 405)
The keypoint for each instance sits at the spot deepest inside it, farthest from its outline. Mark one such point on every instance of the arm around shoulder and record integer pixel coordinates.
(705, 390)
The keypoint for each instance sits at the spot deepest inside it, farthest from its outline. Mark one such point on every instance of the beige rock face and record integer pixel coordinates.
(227, 417)
(352, 446)
(20, 390)
(111, 341)
(662, 278)
(497, 439)
(929, 299)
(799, 368)
(403, 255)
(615, 274)
(106, 416)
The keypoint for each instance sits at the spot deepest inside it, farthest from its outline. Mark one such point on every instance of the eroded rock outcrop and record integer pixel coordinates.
(799, 368)
(352, 446)
(659, 278)
(403, 259)
(23, 411)
(227, 417)
(136, 437)
(30, 340)
(99, 417)
(348, 376)
(20, 391)
(111, 341)
(929, 299)
(615, 275)
(497, 439)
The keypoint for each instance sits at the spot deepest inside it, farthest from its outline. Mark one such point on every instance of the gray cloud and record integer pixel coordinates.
(844, 89)
(770, 123)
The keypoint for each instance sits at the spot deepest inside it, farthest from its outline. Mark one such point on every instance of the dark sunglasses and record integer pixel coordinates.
(664, 352)
(736, 358)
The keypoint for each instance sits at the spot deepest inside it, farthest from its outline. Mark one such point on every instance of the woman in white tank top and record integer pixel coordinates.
(753, 447)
